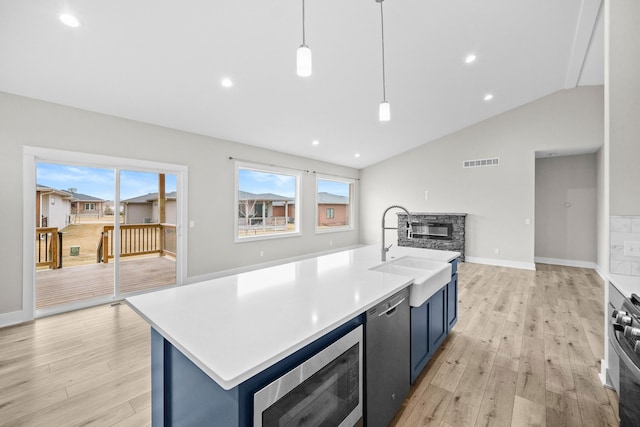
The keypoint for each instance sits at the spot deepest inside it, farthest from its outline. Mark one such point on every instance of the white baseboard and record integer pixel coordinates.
(11, 318)
(604, 275)
(501, 262)
(565, 262)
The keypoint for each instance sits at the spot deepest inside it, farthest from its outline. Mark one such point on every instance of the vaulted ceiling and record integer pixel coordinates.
(162, 62)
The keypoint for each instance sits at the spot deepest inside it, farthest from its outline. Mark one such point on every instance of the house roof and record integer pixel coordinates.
(332, 199)
(149, 198)
(79, 197)
(267, 197)
(46, 189)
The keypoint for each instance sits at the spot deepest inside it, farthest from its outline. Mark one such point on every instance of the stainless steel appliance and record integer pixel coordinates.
(325, 390)
(624, 337)
(387, 358)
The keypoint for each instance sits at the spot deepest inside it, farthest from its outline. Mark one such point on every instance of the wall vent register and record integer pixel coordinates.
(481, 163)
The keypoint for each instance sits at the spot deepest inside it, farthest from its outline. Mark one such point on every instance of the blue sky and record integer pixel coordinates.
(258, 182)
(333, 187)
(98, 182)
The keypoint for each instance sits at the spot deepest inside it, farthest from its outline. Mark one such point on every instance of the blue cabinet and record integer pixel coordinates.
(184, 395)
(452, 302)
(431, 323)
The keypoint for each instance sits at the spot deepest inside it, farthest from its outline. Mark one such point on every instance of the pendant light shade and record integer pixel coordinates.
(303, 61)
(384, 112)
(303, 56)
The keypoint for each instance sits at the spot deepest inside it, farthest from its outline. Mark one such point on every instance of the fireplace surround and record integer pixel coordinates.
(444, 231)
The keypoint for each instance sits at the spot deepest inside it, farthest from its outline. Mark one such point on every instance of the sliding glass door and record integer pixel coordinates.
(146, 241)
(102, 233)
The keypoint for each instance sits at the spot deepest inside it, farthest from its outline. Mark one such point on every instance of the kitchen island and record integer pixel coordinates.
(238, 329)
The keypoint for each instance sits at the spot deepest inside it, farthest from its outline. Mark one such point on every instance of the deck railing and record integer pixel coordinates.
(138, 239)
(48, 247)
(259, 224)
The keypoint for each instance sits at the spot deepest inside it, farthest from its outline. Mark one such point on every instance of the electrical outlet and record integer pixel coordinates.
(497, 251)
(527, 221)
(632, 248)
(426, 195)
(261, 253)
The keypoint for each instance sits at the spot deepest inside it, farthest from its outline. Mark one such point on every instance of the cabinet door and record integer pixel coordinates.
(419, 339)
(437, 319)
(452, 302)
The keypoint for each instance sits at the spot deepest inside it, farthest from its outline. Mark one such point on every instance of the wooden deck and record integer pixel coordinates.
(71, 284)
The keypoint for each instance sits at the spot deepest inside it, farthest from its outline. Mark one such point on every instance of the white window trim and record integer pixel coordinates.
(352, 186)
(32, 155)
(298, 201)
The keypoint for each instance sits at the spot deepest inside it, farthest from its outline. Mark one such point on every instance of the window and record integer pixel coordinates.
(333, 204)
(89, 207)
(268, 202)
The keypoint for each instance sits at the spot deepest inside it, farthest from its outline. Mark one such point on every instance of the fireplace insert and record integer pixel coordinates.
(433, 230)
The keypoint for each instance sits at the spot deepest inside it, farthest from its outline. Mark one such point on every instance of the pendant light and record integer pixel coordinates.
(303, 57)
(384, 112)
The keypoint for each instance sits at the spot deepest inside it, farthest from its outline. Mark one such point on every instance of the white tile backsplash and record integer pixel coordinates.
(621, 224)
(624, 228)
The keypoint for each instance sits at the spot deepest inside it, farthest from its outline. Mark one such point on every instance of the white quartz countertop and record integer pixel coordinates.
(626, 284)
(236, 326)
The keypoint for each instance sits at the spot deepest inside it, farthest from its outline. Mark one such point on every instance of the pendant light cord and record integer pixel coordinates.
(304, 43)
(384, 82)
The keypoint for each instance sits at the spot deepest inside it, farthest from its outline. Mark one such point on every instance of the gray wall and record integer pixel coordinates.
(624, 106)
(499, 199)
(211, 246)
(566, 208)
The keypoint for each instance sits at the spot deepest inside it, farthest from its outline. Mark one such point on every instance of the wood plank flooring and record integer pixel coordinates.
(525, 352)
(70, 284)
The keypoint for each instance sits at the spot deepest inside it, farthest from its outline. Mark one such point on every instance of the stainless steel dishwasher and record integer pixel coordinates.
(387, 358)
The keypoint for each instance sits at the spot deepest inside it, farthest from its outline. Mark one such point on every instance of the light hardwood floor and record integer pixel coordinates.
(525, 351)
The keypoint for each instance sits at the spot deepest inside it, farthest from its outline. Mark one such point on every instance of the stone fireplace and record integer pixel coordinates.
(444, 231)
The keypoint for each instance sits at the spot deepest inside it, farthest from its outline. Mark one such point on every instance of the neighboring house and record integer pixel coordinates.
(53, 207)
(265, 205)
(333, 210)
(85, 205)
(144, 209)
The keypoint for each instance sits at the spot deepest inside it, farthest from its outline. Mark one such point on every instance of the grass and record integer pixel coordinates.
(85, 234)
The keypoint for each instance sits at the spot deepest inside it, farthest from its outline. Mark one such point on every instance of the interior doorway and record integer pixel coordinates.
(566, 210)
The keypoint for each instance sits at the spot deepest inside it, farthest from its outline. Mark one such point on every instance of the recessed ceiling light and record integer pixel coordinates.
(488, 97)
(357, 154)
(226, 82)
(315, 142)
(469, 59)
(69, 20)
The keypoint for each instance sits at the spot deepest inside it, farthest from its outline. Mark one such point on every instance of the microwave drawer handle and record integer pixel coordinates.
(390, 309)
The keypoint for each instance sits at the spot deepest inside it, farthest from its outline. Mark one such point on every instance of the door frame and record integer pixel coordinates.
(33, 155)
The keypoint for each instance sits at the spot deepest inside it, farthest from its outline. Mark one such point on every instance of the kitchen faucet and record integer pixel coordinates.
(386, 249)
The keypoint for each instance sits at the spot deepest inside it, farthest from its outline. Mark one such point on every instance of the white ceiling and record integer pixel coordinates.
(161, 62)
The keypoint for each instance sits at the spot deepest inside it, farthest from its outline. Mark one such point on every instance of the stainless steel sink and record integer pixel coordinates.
(428, 276)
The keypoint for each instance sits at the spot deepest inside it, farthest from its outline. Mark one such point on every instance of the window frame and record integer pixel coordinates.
(257, 167)
(89, 206)
(352, 189)
(331, 213)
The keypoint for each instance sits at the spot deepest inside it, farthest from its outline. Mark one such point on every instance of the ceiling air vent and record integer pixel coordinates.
(481, 163)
